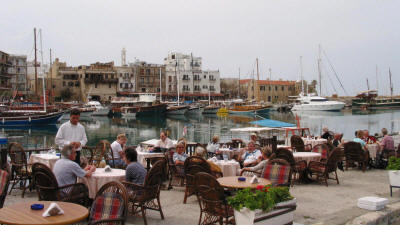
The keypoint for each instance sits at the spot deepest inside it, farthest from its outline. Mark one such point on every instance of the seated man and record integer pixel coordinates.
(337, 140)
(213, 146)
(164, 141)
(66, 170)
(251, 157)
(387, 143)
(201, 152)
(135, 172)
(117, 150)
(266, 154)
(326, 133)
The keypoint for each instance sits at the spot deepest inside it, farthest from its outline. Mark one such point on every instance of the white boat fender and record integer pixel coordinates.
(30, 119)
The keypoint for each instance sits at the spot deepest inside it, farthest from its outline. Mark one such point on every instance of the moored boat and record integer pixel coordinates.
(32, 118)
(316, 103)
(369, 99)
(241, 108)
(99, 110)
(195, 110)
(177, 109)
(146, 105)
(211, 109)
(129, 112)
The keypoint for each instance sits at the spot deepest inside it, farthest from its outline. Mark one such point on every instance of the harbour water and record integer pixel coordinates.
(201, 128)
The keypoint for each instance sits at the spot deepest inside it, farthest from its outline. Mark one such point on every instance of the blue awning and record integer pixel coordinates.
(272, 123)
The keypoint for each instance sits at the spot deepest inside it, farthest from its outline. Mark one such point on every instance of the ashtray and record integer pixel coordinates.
(58, 154)
(37, 206)
(241, 178)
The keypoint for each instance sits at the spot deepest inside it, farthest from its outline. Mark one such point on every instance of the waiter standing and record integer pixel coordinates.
(72, 133)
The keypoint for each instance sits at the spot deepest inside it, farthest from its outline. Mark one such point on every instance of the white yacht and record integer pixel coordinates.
(99, 109)
(316, 103)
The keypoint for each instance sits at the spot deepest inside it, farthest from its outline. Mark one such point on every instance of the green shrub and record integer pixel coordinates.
(394, 163)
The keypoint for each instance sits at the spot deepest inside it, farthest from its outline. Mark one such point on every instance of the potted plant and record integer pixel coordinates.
(271, 205)
(394, 172)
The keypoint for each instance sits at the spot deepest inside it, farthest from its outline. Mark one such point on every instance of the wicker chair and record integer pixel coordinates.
(323, 149)
(323, 169)
(87, 153)
(272, 142)
(147, 196)
(174, 171)
(102, 151)
(110, 205)
(354, 153)
(21, 170)
(212, 200)
(278, 171)
(297, 144)
(192, 166)
(48, 190)
(298, 167)
(4, 182)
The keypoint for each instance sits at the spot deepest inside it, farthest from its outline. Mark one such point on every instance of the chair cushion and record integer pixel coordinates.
(277, 174)
(3, 180)
(317, 168)
(107, 206)
(324, 152)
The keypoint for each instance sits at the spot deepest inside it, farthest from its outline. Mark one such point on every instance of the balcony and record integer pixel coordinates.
(213, 79)
(186, 78)
(98, 80)
(197, 78)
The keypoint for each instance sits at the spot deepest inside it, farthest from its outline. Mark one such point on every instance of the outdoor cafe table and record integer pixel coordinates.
(22, 214)
(145, 157)
(228, 168)
(233, 182)
(229, 152)
(307, 156)
(100, 177)
(373, 149)
(47, 159)
(313, 141)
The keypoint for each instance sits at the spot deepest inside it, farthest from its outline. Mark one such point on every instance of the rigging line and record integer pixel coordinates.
(337, 77)
(329, 77)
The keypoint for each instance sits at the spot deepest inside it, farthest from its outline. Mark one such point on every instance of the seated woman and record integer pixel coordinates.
(201, 152)
(266, 154)
(135, 172)
(180, 156)
(251, 156)
(359, 136)
(368, 139)
(117, 150)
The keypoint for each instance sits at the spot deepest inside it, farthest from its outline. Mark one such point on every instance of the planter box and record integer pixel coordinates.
(394, 179)
(283, 213)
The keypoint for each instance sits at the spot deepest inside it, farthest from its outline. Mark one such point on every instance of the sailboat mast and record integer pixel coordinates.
(301, 75)
(177, 79)
(160, 86)
(35, 63)
(367, 85)
(377, 83)
(51, 78)
(239, 85)
(319, 70)
(391, 85)
(258, 79)
(43, 72)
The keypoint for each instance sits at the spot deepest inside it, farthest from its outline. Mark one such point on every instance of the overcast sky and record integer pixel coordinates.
(356, 35)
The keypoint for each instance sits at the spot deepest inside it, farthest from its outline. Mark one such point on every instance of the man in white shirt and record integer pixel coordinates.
(72, 133)
(164, 142)
(251, 156)
(117, 150)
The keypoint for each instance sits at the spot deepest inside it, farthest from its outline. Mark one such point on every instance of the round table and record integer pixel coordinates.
(144, 157)
(100, 177)
(232, 182)
(307, 156)
(228, 168)
(47, 159)
(22, 214)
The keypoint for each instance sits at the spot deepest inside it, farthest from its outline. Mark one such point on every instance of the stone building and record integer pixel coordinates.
(5, 84)
(184, 72)
(18, 73)
(126, 79)
(267, 90)
(148, 77)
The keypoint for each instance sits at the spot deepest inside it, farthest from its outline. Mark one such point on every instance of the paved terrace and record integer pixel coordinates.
(317, 203)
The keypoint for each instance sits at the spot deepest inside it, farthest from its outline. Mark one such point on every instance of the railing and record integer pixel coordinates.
(91, 80)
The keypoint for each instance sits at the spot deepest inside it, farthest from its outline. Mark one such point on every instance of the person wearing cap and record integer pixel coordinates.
(117, 150)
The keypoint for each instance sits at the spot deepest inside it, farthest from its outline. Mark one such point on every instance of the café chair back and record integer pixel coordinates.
(4, 182)
(322, 169)
(175, 172)
(48, 190)
(110, 205)
(354, 153)
(20, 169)
(278, 171)
(192, 166)
(271, 142)
(297, 144)
(147, 196)
(214, 207)
(323, 149)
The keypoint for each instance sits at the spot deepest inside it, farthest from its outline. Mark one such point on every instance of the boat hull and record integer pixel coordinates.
(376, 104)
(144, 111)
(129, 115)
(195, 110)
(210, 111)
(177, 111)
(320, 107)
(31, 120)
(249, 111)
(101, 112)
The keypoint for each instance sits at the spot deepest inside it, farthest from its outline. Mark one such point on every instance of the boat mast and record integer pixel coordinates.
(239, 85)
(176, 77)
(258, 79)
(43, 72)
(367, 85)
(301, 75)
(391, 85)
(270, 82)
(160, 86)
(377, 83)
(35, 63)
(51, 78)
(319, 70)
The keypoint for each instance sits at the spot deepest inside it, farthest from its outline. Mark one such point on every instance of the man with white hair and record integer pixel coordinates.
(66, 170)
(326, 133)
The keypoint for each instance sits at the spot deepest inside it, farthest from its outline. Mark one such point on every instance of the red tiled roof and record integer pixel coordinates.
(269, 82)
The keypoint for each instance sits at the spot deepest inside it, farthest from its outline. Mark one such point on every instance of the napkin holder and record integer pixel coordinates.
(254, 180)
(53, 210)
(107, 169)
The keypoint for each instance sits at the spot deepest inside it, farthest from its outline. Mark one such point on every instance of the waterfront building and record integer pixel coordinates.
(42, 70)
(126, 79)
(269, 90)
(148, 77)
(18, 74)
(5, 85)
(184, 72)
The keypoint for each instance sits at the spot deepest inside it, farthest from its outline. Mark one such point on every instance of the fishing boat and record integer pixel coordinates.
(146, 105)
(28, 117)
(211, 109)
(129, 112)
(99, 110)
(177, 109)
(244, 108)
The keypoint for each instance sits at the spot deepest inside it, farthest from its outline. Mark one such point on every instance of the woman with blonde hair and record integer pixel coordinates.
(118, 152)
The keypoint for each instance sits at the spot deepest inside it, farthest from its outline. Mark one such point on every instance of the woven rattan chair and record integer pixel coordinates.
(87, 153)
(322, 169)
(48, 190)
(175, 172)
(21, 170)
(297, 144)
(213, 205)
(192, 166)
(103, 151)
(278, 171)
(354, 153)
(110, 205)
(298, 167)
(323, 149)
(147, 196)
(4, 182)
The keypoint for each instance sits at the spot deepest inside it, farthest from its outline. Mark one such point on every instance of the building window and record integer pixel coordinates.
(112, 76)
(63, 83)
(158, 89)
(147, 71)
(205, 87)
(142, 80)
(212, 88)
(196, 88)
(283, 88)
(109, 85)
(120, 85)
(95, 85)
(143, 89)
(269, 98)
(120, 75)
(262, 88)
(126, 85)
(185, 88)
(205, 76)
(106, 76)
(276, 88)
(269, 88)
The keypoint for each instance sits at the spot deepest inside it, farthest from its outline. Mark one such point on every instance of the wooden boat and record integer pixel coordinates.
(177, 109)
(129, 112)
(240, 108)
(195, 110)
(146, 105)
(29, 118)
(211, 109)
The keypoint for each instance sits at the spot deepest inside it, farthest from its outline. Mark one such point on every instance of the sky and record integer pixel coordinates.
(356, 36)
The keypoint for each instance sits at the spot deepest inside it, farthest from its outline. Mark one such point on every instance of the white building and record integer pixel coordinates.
(185, 72)
(126, 78)
(18, 72)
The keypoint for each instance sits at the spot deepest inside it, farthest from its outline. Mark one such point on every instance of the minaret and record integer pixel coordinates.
(123, 57)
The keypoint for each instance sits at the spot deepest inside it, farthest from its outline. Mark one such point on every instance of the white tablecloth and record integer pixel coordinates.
(373, 149)
(142, 156)
(153, 142)
(314, 142)
(308, 156)
(99, 178)
(47, 159)
(228, 168)
(229, 152)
